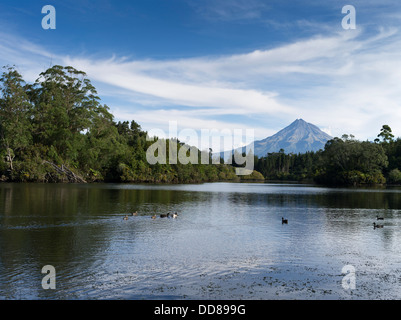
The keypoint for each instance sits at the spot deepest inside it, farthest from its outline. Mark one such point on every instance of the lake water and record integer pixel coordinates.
(228, 241)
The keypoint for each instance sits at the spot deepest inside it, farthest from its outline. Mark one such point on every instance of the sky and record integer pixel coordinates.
(221, 64)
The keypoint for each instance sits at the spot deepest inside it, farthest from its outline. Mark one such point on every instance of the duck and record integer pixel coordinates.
(135, 213)
(126, 217)
(154, 217)
(284, 221)
(175, 215)
(379, 218)
(377, 225)
(165, 215)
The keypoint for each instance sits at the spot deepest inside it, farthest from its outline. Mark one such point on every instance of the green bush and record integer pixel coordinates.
(394, 176)
(255, 175)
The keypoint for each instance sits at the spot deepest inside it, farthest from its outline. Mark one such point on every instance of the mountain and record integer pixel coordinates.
(299, 137)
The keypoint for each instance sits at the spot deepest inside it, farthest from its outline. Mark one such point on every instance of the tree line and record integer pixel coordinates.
(57, 130)
(344, 161)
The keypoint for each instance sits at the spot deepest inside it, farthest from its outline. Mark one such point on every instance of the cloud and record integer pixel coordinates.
(29, 58)
(229, 10)
(176, 90)
(234, 84)
(346, 82)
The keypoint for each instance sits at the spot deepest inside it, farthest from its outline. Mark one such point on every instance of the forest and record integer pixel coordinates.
(344, 161)
(57, 130)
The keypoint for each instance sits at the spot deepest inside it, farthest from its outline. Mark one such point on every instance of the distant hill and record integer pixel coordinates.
(299, 137)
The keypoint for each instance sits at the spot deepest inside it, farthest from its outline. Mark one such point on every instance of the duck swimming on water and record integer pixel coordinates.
(284, 221)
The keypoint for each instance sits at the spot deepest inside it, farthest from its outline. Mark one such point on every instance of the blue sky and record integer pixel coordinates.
(220, 64)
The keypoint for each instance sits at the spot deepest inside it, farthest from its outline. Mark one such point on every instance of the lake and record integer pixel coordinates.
(228, 241)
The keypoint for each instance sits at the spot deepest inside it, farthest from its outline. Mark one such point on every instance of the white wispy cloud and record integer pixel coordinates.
(178, 91)
(29, 58)
(344, 82)
(229, 10)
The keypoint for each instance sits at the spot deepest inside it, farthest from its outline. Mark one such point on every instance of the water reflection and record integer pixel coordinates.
(228, 242)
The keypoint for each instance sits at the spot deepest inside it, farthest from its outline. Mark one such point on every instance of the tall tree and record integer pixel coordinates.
(386, 134)
(349, 161)
(15, 127)
(65, 105)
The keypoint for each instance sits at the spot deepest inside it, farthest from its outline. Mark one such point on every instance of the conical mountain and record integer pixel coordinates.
(299, 137)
